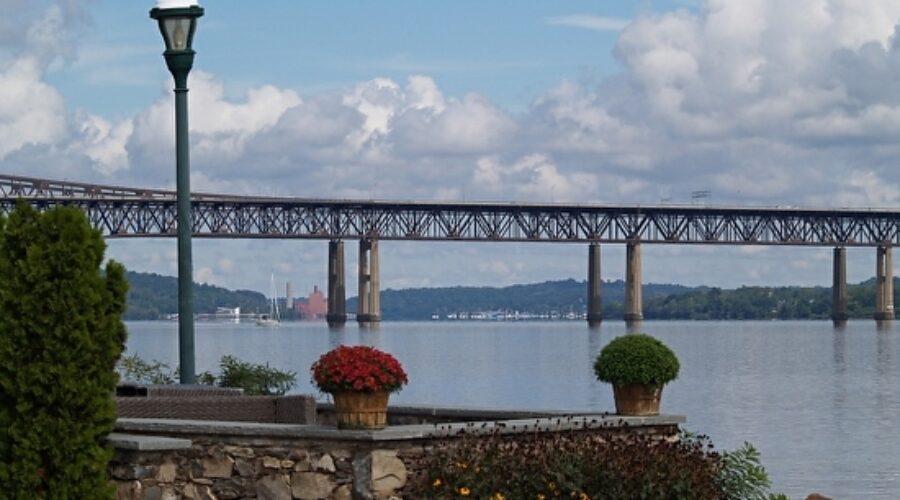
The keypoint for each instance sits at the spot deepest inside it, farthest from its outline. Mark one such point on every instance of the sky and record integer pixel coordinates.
(759, 102)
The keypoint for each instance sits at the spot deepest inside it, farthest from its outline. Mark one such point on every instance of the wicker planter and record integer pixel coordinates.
(637, 399)
(360, 410)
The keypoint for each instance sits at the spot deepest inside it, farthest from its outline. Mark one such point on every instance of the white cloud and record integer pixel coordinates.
(532, 178)
(867, 188)
(597, 23)
(31, 112)
(220, 128)
(104, 143)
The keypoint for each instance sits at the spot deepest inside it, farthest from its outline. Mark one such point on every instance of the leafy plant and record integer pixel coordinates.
(60, 336)
(357, 368)
(636, 359)
(134, 369)
(743, 477)
(254, 378)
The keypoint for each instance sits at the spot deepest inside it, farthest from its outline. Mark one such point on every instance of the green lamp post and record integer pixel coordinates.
(177, 23)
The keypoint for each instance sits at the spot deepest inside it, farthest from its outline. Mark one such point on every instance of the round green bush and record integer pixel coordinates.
(636, 359)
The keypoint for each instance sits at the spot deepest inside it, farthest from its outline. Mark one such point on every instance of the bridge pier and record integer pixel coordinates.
(884, 283)
(634, 308)
(337, 297)
(594, 298)
(839, 312)
(369, 306)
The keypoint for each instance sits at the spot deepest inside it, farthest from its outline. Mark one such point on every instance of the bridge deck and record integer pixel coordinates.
(121, 212)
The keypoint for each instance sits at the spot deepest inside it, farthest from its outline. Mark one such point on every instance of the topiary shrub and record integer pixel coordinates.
(60, 336)
(636, 359)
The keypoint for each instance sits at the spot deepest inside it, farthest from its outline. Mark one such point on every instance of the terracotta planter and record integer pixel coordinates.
(637, 399)
(360, 410)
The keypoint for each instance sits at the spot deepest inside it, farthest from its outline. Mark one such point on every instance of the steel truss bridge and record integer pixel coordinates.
(123, 212)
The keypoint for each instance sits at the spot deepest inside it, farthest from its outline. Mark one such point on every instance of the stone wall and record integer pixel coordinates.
(170, 459)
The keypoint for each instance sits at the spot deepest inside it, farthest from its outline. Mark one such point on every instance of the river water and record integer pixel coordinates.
(822, 404)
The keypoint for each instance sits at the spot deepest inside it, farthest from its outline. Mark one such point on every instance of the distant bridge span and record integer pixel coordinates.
(124, 212)
(121, 212)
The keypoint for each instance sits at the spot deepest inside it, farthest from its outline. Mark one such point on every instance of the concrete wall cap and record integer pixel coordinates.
(146, 443)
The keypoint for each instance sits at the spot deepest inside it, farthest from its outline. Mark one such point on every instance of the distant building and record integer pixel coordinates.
(313, 307)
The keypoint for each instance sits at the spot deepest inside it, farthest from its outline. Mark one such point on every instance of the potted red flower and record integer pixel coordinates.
(359, 379)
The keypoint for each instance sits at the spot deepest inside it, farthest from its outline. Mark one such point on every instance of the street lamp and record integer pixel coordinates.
(177, 23)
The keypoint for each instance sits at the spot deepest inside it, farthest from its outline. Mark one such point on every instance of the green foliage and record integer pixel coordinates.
(254, 378)
(152, 296)
(636, 359)
(743, 477)
(560, 297)
(60, 336)
(570, 465)
(134, 369)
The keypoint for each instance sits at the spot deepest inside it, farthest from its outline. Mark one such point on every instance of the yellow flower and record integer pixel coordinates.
(541, 496)
(464, 491)
(462, 465)
(437, 483)
(498, 496)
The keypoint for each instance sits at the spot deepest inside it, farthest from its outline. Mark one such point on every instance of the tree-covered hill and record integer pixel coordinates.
(152, 296)
(539, 298)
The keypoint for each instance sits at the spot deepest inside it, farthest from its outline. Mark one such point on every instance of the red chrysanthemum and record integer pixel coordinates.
(357, 368)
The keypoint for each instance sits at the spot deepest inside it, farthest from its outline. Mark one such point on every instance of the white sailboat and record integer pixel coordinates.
(272, 318)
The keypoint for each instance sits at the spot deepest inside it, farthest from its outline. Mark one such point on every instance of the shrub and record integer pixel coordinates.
(134, 369)
(743, 477)
(636, 359)
(60, 335)
(570, 465)
(255, 379)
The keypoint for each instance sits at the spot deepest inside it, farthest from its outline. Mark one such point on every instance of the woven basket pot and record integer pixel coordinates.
(637, 399)
(360, 410)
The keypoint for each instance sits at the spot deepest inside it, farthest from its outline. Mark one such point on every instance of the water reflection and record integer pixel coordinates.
(370, 334)
(336, 337)
(598, 396)
(633, 326)
(839, 348)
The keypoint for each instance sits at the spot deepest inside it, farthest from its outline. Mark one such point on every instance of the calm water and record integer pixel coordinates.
(821, 404)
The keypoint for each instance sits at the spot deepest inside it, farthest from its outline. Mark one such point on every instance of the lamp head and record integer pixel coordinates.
(177, 24)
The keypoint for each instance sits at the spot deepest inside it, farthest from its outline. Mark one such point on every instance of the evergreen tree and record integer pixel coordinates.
(60, 337)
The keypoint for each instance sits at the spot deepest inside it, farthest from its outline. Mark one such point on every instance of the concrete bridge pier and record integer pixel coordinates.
(594, 298)
(369, 307)
(884, 283)
(839, 313)
(634, 307)
(337, 296)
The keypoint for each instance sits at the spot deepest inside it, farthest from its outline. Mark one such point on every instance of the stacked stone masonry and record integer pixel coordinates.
(264, 470)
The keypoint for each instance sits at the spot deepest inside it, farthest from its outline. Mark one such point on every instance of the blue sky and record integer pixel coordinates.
(510, 51)
(761, 102)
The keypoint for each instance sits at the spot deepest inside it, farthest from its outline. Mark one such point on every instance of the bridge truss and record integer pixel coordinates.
(121, 212)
